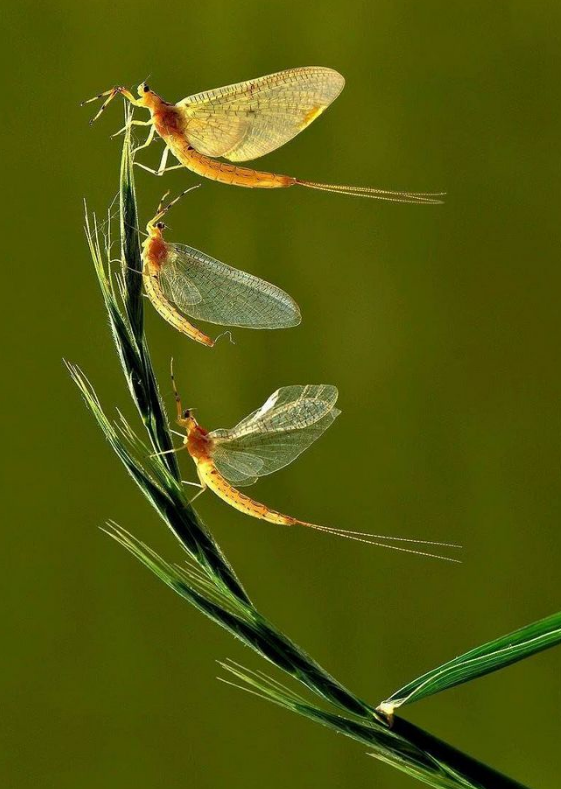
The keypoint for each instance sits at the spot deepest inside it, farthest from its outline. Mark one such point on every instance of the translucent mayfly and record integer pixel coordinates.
(245, 121)
(179, 279)
(265, 441)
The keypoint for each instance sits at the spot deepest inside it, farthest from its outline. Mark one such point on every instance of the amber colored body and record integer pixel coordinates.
(177, 128)
(199, 445)
(224, 172)
(154, 252)
(171, 127)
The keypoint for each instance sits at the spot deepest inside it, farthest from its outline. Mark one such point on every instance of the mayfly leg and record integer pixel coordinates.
(162, 168)
(148, 141)
(167, 452)
(179, 406)
(200, 493)
(110, 96)
(163, 209)
(158, 171)
(182, 420)
(132, 123)
(174, 385)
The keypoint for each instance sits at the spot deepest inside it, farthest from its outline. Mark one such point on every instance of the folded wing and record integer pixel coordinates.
(204, 288)
(249, 119)
(275, 434)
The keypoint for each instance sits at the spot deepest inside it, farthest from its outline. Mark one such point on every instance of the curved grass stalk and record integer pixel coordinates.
(208, 581)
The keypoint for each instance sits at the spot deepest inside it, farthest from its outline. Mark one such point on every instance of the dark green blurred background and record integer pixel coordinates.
(440, 326)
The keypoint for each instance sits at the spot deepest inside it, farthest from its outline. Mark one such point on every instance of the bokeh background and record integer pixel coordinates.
(440, 326)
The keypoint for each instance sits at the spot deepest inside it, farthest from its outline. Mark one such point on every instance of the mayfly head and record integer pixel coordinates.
(156, 229)
(147, 97)
(188, 422)
(144, 89)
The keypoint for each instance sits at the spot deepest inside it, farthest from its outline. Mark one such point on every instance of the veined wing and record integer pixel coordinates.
(274, 435)
(239, 467)
(249, 119)
(289, 408)
(204, 288)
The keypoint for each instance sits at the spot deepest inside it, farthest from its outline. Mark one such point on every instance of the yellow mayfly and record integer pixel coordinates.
(245, 121)
(265, 441)
(179, 279)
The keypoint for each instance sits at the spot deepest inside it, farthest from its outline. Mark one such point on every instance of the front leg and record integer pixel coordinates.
(110, 96)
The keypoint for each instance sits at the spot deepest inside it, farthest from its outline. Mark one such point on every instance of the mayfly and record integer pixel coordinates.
(245, 121)
(179, 279)
(265, 441)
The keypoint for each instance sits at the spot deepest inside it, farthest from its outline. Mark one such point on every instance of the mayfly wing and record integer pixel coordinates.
(238, 467)
(290, 407)
(204, 288)
(249, 119)
(275, 434)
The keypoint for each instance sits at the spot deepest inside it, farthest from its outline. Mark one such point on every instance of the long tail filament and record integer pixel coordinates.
(375, 539)
(420, 198)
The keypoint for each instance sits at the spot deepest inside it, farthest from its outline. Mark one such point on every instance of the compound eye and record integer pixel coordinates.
(186, 414)
(146, 88)
(161, 226)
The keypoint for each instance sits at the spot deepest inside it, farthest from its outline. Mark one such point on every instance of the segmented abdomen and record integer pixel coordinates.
(168, 311)
(227, 173)
(209, 476)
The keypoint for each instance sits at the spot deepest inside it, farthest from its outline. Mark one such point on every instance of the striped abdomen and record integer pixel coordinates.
(168, 311)
(211, 478)
(223, 172)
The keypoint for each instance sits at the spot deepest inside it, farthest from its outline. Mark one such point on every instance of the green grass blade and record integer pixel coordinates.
(207, 580)
(130, 236)
(165, 494)
(245, 623)
(141, 375)
(489, 657)
(127, 326)
(168, 498)
(418, 755)
(404, 747)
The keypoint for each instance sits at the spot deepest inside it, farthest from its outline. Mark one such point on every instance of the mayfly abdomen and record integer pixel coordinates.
(210, 477)
(228, 173)
(169, 313)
